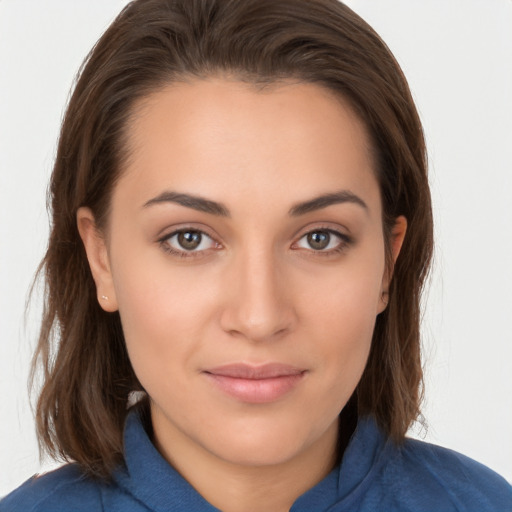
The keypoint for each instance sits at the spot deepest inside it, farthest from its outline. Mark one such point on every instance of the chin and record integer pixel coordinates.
(267, 443)
(269, 449)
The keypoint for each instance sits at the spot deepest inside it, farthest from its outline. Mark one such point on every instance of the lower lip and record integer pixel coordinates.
(256, 391)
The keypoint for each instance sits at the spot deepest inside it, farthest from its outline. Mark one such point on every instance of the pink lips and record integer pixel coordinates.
(256, 384)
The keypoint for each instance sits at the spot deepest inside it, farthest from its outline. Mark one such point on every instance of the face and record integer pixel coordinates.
(245, 254)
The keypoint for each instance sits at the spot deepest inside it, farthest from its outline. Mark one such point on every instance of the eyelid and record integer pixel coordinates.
(331, 227)
(169, 230)
(163, 241)
(345, 239)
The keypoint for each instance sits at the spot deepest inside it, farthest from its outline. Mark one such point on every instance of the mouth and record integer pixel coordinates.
(256, 384)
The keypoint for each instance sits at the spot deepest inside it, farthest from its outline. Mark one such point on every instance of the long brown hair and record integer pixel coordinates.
(87, 373)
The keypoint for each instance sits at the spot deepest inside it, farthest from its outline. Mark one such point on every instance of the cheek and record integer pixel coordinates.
(155, 294)
(341, 309)
(344, 330)
(348, 297)
(163, 310)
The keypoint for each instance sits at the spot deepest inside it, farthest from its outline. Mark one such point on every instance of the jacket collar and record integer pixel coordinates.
(153, 481)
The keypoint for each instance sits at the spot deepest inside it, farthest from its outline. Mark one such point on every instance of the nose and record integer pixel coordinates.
(259, 306)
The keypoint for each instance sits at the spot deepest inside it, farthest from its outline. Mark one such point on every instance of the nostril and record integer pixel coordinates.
(246, 324)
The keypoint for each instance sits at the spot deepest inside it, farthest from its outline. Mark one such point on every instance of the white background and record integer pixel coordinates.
(457, 55)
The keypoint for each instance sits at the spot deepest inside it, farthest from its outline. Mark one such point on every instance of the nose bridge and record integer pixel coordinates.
(259, 308)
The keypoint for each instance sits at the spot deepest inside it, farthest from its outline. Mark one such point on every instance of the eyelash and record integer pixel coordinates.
(164, 243)
(344, 242)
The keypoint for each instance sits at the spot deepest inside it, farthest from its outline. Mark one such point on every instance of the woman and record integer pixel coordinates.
(241, 231)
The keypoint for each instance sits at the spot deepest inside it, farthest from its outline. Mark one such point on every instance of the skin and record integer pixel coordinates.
(255, 291)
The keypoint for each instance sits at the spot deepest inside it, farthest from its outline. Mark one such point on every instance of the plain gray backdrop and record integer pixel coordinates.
(457, 55)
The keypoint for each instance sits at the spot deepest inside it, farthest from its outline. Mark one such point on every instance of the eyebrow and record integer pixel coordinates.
(325, 200)
(190, 201)
(212, 207)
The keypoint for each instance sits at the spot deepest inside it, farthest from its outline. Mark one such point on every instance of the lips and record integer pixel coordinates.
(255, 384)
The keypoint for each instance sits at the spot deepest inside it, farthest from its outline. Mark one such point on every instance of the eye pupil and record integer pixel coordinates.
(189, 240)
(319, 239)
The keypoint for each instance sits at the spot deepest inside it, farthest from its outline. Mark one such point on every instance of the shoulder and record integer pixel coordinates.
(64, 489)
(426, 476)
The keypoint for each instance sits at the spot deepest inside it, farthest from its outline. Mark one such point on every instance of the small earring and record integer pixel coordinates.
(385, 297)
(104, 297)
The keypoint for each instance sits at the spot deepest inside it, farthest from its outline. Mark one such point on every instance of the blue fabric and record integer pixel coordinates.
(375, 475)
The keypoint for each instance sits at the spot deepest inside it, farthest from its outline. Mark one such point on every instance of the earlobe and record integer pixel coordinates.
(397, 239)
(98, 258)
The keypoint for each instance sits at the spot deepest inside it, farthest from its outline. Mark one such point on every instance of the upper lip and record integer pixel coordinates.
(247, 371)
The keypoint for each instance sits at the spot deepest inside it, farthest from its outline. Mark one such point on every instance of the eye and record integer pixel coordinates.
(323, 240)
(187, 241)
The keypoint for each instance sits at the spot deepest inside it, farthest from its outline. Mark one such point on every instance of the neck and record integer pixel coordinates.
(235, 487)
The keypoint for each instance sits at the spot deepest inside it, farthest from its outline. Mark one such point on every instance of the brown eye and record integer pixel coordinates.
(189, 240)
(318, 240)
(323, 241)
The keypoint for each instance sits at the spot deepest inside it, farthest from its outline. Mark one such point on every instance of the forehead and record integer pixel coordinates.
(227, 138)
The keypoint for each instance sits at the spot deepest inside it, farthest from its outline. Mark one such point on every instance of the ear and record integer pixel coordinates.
(98, 257)
(397, 239)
